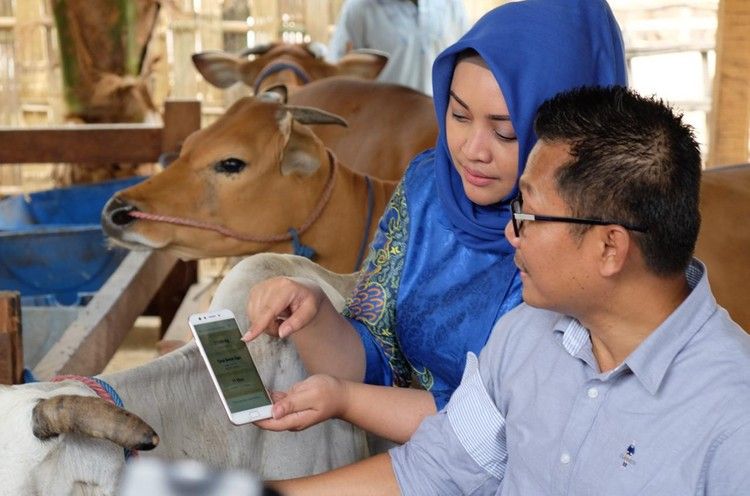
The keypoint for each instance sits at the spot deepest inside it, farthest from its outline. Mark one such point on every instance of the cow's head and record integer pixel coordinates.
(263, 66)
(255, 172)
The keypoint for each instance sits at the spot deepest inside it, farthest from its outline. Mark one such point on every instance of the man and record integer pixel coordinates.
(411, 32)
(619, 374)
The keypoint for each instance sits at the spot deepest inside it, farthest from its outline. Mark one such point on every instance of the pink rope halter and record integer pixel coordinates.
(231, 233)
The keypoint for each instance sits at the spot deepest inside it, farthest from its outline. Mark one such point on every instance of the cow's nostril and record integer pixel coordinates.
(121, 216)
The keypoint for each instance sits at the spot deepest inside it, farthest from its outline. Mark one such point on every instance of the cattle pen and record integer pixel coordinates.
(89, 342)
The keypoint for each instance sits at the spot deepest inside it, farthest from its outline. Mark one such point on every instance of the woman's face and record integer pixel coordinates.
(480, 135)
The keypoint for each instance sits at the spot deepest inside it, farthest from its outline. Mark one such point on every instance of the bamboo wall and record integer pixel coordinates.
(30, 75)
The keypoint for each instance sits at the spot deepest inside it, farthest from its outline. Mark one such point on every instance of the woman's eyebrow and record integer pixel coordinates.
(492, 117)
(461, 102)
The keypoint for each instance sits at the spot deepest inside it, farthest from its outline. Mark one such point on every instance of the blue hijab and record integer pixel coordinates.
(535, 49)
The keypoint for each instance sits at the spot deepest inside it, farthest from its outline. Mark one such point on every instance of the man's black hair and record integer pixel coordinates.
(633, 160)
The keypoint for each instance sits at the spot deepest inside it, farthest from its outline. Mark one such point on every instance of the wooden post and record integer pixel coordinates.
(730, 113)
(11, 349)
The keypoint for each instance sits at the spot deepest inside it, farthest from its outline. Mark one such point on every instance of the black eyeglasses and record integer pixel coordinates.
(518, 218)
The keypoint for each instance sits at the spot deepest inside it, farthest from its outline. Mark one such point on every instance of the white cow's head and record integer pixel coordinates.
(60, 439)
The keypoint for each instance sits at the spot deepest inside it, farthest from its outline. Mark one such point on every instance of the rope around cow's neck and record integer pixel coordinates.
(291, 234)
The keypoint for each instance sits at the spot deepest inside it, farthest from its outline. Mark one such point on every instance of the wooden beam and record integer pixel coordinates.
(101, 143)
(11, 350)
(730, 115)
(94, 143)
(90, 341)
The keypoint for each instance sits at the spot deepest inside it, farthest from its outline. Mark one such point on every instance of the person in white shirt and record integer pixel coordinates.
(411, 32)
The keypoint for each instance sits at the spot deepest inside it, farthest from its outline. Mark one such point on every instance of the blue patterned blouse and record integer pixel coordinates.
(424, 299)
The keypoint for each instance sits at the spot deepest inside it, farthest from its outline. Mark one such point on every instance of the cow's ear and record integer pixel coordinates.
(365, 64)
(302, 152)
(221, 69)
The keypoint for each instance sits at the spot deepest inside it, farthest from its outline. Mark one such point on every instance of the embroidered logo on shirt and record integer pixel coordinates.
(628, 458)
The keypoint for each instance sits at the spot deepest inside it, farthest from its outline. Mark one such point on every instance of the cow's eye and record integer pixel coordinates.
(229, 166)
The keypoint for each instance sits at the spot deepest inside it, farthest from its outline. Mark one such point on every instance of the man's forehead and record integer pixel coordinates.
(544, 160)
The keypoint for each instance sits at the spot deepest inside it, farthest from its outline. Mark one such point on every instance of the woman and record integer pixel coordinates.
(440, 271)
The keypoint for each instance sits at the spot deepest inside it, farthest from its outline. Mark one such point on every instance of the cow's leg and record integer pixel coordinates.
(319, 448)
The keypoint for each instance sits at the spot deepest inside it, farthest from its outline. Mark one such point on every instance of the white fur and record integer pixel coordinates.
(174, 395)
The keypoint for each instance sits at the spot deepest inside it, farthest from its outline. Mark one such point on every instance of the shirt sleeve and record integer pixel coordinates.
(727, 473)
(348, 31)
(372, 307)
(461, 450)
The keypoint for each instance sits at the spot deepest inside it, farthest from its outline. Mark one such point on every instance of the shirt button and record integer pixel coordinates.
(565, 458)
(592, 392)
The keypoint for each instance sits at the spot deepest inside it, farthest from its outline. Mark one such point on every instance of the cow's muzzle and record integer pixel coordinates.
(116, 215)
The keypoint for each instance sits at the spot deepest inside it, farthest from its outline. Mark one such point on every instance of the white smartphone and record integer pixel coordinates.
(232, 369)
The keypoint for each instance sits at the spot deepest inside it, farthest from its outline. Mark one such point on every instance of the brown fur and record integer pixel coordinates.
(223, 69)
(724, 239)
(260, 200)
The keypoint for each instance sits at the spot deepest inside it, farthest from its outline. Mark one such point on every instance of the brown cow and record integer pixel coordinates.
(293, 65)
(242, 183)
(388, 124)
(724, 240)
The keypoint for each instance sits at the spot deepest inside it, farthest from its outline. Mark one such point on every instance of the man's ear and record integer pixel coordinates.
(616, 244)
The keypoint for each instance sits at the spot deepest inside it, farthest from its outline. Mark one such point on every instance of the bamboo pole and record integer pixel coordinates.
(11, 349)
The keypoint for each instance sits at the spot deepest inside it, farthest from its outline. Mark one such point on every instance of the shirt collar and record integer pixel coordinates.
(652, 358)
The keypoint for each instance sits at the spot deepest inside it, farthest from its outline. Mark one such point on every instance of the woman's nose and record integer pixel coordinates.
(476, 146)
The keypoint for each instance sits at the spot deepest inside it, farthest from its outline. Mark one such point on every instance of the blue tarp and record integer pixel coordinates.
(52, 248)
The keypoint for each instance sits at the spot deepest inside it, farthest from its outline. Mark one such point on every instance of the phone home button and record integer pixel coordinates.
(254, 415)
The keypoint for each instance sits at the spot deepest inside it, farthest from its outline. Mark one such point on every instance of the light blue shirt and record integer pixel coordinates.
(535, 416)
(412, 35)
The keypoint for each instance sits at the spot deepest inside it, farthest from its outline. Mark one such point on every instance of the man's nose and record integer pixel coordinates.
(510, 234)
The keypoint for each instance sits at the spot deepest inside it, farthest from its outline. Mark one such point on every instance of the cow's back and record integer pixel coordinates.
(388, 124)
(724, 240)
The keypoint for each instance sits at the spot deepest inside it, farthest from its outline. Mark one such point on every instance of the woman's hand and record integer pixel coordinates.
(317, 398)
(281, 306)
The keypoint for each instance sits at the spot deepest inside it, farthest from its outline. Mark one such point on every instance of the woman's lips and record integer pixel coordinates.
(475, 178)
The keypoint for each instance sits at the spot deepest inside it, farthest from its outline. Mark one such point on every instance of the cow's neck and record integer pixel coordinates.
(347, 217)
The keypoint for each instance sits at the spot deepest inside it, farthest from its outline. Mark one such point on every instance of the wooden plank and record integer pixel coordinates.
(730, 116)
(196, 300)
(89, 342)
(181, 118)
(11, 351)
(87, 143)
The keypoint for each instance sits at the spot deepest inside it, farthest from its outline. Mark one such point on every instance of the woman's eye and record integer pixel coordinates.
(505, 135)
(229, 166)
(459, 117)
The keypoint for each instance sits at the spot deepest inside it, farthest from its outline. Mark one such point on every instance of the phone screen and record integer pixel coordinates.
(233, 367)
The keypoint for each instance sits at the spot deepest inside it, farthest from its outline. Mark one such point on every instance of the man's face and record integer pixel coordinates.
(556, 266)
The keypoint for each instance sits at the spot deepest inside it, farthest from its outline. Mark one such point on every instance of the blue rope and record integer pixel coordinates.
(115, 397)
(366, 234)
(299, 248)
(278, 67)
(28, 376)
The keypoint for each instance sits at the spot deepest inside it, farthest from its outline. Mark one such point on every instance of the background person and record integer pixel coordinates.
(619, 374)
(440, 271)
(411, 32)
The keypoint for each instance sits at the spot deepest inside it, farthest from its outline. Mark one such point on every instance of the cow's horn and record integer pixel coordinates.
(92, 417)
(256, 50)
(310, 115)
(316, 49)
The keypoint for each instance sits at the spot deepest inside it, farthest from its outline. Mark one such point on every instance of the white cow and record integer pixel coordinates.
(175, 396)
